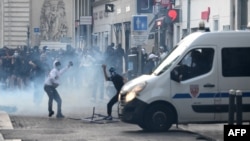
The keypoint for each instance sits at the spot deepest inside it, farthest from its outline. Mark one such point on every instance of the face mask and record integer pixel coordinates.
(58, 67)
(112, 73)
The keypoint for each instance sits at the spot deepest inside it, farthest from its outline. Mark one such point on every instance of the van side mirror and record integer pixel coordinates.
(175, 75)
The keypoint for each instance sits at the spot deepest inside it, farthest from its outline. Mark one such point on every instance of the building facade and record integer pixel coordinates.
(83, 23)
(36, 22)
(217, 15)
(15, 20)
(30, 22)
(52, 23)
(117, 26)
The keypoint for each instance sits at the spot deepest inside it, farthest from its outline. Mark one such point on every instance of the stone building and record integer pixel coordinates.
(35, 22)
(27, 22)
(15, 19)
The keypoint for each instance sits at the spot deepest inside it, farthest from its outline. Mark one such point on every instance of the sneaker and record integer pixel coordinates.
(59, 116)
(51, 113)
(108, 118)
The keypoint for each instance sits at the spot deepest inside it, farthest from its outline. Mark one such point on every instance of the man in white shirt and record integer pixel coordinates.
(51, 83)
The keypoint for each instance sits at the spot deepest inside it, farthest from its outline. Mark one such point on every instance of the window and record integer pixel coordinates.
(235, 62)
(216, 25)
(197, 62)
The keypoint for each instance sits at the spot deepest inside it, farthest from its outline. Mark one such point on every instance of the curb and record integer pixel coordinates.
(5, 123)
(211, 132)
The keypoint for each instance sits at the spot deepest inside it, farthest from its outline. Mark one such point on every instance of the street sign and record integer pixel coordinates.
(85, 20)
(36, 30)
(139, 40)
(109, 7)
(145, 6)
(140, 23)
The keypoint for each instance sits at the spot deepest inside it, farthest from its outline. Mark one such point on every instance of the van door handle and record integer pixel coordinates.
(209, 85)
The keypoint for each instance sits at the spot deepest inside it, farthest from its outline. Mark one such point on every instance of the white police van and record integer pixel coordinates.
(191, 85)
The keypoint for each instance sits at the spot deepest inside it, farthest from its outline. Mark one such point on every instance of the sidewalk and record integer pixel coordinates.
(5, 123)
(214, 132)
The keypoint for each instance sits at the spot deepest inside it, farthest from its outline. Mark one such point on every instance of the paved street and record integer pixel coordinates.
(31, 128)
(30, 122)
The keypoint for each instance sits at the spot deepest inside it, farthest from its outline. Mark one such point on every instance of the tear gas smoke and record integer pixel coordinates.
(82, 86)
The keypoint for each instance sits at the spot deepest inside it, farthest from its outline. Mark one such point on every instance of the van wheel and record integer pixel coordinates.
(159, 118)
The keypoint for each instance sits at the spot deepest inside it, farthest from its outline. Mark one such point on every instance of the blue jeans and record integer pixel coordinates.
(53, 95)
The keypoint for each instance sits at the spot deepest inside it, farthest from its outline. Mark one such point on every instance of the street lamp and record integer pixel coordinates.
(159, 24)
(28, 36)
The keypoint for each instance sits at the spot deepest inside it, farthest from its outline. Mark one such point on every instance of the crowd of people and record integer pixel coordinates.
(20, 66)
(23, 68)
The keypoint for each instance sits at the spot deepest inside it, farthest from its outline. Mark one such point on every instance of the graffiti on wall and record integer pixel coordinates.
(53, 24)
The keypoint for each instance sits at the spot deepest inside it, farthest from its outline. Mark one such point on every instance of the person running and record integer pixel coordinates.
(51, 83)
(118, 82)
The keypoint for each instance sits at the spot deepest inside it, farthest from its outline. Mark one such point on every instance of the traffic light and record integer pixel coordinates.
(109, 7)
(173, 16)
(159, 23)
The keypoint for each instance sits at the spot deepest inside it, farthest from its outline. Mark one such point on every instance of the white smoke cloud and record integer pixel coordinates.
(78, 86)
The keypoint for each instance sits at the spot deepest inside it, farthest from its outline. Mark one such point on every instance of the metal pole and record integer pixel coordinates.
(88, 26)
(28, 36)
(231, 107)
(188, 17)
(139, 60)
(159, 39)
(239, 107)
(232, 15)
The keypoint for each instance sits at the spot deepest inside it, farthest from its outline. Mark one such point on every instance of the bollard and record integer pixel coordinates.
(231, 107)
(239, 107)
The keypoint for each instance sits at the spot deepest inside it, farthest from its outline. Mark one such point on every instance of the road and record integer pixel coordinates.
(34, 128)
(31, 122)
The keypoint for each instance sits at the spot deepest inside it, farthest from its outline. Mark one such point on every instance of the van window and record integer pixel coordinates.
(235, 62)
(196, 62)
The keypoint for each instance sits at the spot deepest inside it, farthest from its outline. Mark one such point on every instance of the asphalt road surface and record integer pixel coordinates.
(31, 122)
(36, 128)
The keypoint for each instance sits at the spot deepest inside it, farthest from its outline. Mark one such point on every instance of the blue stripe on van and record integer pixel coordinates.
(207, 95)
(246, 94)
(184, 95)
(223, 95)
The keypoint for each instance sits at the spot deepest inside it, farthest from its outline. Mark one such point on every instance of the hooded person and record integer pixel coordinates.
(50, 85)
(118, 82)
(150, 64)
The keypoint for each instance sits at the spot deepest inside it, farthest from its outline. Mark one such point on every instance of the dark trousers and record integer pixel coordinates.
(111, 103)
(53, 95)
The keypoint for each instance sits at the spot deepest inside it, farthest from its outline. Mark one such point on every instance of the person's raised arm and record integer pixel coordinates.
(105, 72)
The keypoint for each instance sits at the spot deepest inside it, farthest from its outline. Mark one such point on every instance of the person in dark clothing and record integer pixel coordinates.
(38, 73)
(150, 64)
(16, 81)
(119, 56)
(110, 55)
(7, 66)
(118, 82)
